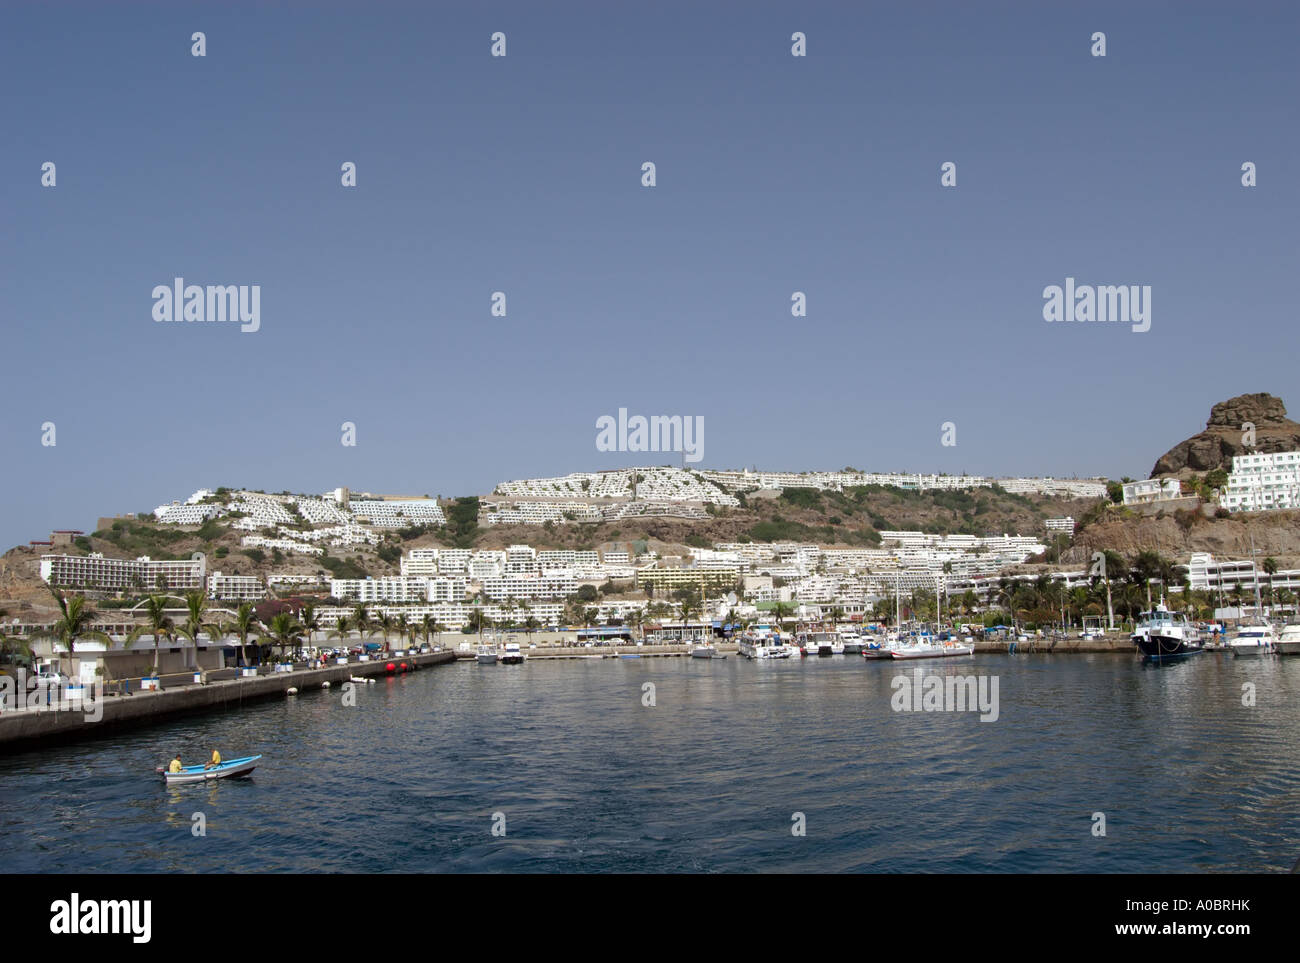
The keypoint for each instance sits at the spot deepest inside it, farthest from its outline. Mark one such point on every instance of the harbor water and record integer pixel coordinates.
(1094, 763)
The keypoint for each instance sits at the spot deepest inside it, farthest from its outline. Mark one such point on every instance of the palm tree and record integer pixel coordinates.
(244, 623)
(1270, 569)
(159, 624)
(362, 622)
(779, 612)
(284, 630)
(688, 608)
(386, 624)
(308, 619)
(197, 603)
(1285, 597)
(430, 626)
(12, 643)
(73, 623)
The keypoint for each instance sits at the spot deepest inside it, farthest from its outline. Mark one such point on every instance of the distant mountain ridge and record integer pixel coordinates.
(1225, 436)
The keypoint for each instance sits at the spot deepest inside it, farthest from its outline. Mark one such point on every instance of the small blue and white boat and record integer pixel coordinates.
(229, 769)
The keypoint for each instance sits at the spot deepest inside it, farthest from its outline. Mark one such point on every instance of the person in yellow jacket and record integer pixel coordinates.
(216, 760)
(176, 764)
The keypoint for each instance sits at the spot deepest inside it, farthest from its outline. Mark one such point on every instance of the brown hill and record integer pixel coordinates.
(1225, 436)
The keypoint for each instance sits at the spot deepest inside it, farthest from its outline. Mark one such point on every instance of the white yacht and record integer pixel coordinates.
(487, 655)
(763, 647)
(703, 649)
(851, 641)
(512, 654)
(1288, 643)
(927, 647)
(1255, 638)
(821, 643)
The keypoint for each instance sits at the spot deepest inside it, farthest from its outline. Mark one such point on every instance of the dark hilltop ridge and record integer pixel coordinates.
(1223, 436)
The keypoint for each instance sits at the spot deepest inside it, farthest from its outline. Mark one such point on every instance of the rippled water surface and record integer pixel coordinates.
(589, 779)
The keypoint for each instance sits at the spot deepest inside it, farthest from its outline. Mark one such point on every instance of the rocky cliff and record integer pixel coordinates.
(1225, 435)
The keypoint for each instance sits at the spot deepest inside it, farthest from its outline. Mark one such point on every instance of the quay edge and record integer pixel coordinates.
(24, 730)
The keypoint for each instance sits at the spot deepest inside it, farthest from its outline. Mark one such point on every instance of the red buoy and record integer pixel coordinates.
(390, 667)
(403, 666)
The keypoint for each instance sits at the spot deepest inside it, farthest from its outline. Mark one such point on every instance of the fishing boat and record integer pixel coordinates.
(1163, 634)
(1257, 638)
(852, 642)
(876, 648)
(706, 650)
(763, 647)
(487, 655)
(927, 648)
(512, 654)
(230, 769)
(1288, 643)
(820, 643)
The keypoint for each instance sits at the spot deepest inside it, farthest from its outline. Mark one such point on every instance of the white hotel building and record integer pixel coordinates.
(1262, 482)
(235, 588)
(96, 573)
(1150, 490)
(391, 588)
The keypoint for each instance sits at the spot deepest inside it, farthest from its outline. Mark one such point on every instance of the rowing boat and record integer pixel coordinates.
(230, 769)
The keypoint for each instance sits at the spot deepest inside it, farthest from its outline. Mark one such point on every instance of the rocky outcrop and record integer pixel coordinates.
(1225, 435)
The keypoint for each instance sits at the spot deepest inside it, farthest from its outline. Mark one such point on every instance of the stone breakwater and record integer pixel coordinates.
(27, 729)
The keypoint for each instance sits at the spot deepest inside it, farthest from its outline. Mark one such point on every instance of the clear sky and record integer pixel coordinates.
(522, 174)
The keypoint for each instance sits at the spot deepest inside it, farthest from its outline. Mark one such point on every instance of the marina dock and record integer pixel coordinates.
(24, 728)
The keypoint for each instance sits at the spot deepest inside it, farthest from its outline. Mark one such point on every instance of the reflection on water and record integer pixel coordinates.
(589, 779)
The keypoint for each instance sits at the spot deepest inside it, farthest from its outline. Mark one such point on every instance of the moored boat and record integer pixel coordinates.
(1163, 634)
(852, 642)
(487, 655)
(1258, 638)
(932, 650)
(1288, 643)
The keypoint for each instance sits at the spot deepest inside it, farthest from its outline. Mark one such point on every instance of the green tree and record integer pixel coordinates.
(284, 631)
(73, 623)
(196, 604)
(157, 623)
(241, 626)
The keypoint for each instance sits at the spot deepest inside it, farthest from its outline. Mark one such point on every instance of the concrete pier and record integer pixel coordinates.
(22, 729)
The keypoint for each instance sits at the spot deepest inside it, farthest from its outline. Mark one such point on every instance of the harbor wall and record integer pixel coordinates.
(23, 729)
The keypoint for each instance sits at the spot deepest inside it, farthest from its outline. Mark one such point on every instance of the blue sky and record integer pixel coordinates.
(522, 174)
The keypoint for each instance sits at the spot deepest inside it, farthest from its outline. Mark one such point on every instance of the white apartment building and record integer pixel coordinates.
(484, 565)
(283, 544)
(453, 561)
(235, 588)
(1262, 482)
(263, 511)
(178, 514)
(390, 588)
(1065, 524)
(446, 588)
(94, 572)
(398, 513)
(1150, 490)
(420, 561)
(529, 586)
(567, 560)
(521, 560)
